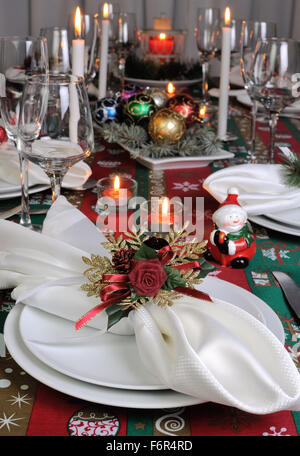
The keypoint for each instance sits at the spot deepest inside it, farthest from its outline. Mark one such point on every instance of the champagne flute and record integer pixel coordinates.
(62, 127)
(275, 63)
(251, 32)
(208, 39)
(20, 57)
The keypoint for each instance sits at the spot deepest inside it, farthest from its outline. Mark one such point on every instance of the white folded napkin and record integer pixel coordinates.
(261, 188)
(211, 350)
(10, 170)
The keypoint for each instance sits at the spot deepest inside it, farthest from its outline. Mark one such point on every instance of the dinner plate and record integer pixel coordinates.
(290, 217)
(112, 360)
(274, 225)
(162, 84)
(246, 100)
(17, 193)
(84, 390)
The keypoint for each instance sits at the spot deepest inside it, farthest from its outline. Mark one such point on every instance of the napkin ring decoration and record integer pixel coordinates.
(142, 269)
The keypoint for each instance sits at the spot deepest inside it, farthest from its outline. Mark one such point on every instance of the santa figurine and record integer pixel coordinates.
(232, 242)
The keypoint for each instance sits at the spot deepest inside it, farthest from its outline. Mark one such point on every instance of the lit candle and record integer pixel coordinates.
(119, 191)
(162, 217)
(170, 90)
(78, 47)
(224, 78)
(161, 44)
(104, 52)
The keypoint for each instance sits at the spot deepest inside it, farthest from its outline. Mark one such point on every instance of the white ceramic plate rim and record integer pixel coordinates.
(159, 83)
(283, 216)
(276, 226)
(83, 390)
(222, 154)
(35, 189)
(211, 285)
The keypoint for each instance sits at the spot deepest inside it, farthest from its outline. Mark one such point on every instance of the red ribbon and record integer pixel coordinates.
(118, 287)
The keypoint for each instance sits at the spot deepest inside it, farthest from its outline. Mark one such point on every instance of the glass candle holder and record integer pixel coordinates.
(115, 192)
(162, 45)
(159, 215)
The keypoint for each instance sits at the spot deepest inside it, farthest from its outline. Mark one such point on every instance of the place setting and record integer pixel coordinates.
(146, 221)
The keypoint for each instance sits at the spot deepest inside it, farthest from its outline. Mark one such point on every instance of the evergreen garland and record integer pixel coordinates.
(198, 141)
(290, 169)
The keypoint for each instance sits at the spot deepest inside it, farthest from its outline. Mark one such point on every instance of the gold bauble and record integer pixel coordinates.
(166, 127)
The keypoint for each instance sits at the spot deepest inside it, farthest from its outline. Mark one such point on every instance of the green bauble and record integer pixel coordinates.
(138, 109)
(166, 127)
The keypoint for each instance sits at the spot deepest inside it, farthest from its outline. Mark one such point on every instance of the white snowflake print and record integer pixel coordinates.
(284, 254)
(275, 433)
(270, 254)
(19, 400)
(109, 163)
(9, 421)
(185, 186)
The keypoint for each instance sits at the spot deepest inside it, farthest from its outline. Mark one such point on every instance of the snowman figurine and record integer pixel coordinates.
(232, 242)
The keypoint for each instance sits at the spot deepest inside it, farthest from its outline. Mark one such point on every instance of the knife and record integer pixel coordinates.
(290, 290)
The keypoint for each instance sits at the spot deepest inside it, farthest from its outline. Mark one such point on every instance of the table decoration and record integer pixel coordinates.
(166, 127)
(159, 96)
(129, 90)
(117, 190)
(138, 109)
(185, 106)
(107, 110)
(105, 26)
(263, 379)
(224, 76)
(232, 241)
(159, 216)
(78, 47)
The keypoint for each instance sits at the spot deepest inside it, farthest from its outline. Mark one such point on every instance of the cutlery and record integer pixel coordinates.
(17, 210)
(290, 290)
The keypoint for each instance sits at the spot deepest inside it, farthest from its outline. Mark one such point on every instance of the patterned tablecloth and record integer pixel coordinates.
(30, 408)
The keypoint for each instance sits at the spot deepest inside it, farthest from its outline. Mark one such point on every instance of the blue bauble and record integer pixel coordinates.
(107, 110)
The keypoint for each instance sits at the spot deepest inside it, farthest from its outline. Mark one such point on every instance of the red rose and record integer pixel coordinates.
(147, 277)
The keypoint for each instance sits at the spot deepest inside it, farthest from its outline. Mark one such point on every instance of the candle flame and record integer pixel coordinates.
(78, 22)
(165, 207)
(202, 111)
(170, 88)
(105, 10)
(227, 16)
(117, 183)
(162, 36)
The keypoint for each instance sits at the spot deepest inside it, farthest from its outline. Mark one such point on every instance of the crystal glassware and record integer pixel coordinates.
(20, 58)
(251, 32)
(58, 48)
(64, 132)
(275, 63)
(208, 38)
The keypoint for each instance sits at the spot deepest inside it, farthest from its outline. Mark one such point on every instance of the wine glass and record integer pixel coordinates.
(251, 32)
(275, 63)
(58, 48)
(208, 36)
(90, 33)
(124, 39)
(20, 57)
(62, 127)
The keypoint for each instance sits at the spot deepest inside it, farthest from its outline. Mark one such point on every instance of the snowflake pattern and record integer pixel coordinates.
(9, 421)
(185, 186)
(108, 163)
(275, 433)
(19, 400)
(270, 254)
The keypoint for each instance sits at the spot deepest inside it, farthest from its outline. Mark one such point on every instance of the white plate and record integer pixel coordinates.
(276, 226)
(246, 100)
(236, 77)
(83, 390)
(17, 193)
(162, 84)
(290, 217)
(113, 360)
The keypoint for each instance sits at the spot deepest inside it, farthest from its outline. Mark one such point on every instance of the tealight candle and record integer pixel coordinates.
(171, 90)
(224, 79)
(119, 189)
(161, 44)
(104, 52)
(159, 215)
(78, 47)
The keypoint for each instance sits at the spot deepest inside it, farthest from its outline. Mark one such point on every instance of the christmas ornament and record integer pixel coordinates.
(107, 110)
(130, 90)
(232, 242)
(159, 97)
(159, 274)
(3, 135)
(185, 106)
(138, 109)
(166, 127)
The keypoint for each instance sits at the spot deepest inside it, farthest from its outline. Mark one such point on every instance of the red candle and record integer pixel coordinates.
(161, 44)
(165, 216)
(119, 192)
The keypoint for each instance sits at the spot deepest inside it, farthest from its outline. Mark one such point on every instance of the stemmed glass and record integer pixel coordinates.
(208, 36)
(62, 124)
(275, 63)
(20, 57)
(58, 48)
(90, 32)
(251, 32)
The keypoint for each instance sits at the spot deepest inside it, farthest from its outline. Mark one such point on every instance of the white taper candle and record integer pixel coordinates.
(224, 76)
